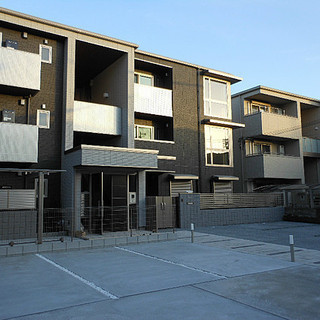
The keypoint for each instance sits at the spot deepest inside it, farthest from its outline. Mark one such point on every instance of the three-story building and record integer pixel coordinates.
(123, 124)
(273, 149)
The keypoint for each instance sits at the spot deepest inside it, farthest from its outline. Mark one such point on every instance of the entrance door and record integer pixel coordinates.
(119, 203)
(108, 209)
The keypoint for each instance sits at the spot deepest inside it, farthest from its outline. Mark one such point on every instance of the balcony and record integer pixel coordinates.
(88, 155)
(19, 71)
(18, 143)
(96, 118)
(273, 125)
(311, 146)
(273, 166)
(152, 100)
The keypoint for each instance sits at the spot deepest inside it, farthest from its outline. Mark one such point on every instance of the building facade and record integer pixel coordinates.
(279, 144)
(121, 123)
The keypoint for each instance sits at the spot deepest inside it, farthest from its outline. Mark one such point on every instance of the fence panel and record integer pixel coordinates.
(240, 200)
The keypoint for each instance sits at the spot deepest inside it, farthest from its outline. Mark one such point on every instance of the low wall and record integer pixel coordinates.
(189, 212)
(18, 224)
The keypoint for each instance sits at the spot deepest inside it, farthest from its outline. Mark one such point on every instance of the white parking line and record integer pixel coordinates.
(172, 262)
(90, 284)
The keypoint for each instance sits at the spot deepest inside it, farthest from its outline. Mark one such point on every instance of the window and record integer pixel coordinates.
(222, 187)
(46, 53)
(257, 148)
(217, 98)
(218, 145)
(144, 132)
(143, 78)
(255, 107)
(43, 119)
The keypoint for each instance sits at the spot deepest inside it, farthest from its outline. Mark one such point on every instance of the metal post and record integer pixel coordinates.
(90, 203)
(156, 216)
(131, 210)
(102, 203)
(291, 247)
(192, 232)
(128, 206)
(40, 207)
(72, 213)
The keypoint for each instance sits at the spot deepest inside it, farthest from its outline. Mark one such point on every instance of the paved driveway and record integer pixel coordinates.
(306, 235)
(164, 280)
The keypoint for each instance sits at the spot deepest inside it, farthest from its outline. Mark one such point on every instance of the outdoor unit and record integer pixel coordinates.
(8, 116)
(11, 44)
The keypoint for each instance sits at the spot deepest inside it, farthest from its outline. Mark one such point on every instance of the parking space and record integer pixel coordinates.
(167, 280)
(306, 235)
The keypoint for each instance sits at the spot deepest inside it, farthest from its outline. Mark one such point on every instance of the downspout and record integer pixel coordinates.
(28, 109)
(27, 122)
(242, 146)
(199, 129)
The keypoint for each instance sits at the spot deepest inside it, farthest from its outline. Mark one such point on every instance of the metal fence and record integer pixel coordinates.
(21, 226)
(99, 220)
(240, 200)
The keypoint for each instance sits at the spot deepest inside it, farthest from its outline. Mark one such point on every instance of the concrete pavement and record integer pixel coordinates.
(306, 235)
(163, 280)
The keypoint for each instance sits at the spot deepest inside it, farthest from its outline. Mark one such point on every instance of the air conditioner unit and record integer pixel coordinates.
(11, 44)
(8, 116)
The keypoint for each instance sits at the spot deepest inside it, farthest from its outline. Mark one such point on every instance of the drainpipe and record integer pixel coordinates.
(242, 155)
(28, 108)
(199, 128)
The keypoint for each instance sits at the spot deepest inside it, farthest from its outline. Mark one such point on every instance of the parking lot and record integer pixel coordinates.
(306, 235)
(163, 280)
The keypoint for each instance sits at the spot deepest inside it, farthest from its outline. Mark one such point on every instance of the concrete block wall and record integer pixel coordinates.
(189, 211)
(18, 224)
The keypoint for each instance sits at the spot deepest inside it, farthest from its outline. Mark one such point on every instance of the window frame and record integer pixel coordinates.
(210, 149)
(149, 75)
(261, 107)
(250, 148)
(47, 112)
(210, 100)
(44, 46)
(136, 128)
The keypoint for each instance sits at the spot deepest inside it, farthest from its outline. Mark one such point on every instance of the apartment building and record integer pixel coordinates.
(121, 124)
(279, 144)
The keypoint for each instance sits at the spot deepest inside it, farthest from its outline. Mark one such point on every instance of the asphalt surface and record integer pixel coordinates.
(306, 235)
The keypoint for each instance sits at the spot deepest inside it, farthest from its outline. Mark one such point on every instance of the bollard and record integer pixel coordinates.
(291, 241)
(192, 232)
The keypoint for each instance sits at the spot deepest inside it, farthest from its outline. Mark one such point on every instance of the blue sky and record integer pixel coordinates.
(275, 43)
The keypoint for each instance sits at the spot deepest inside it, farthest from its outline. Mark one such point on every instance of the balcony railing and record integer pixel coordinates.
(18, 143)
(274, 166)
(152, 100)
(311, 145)
(20, 69)
(96, 118)
(270, 124)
